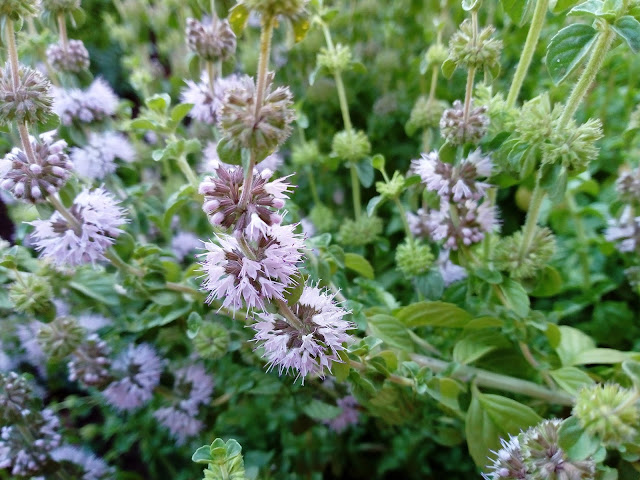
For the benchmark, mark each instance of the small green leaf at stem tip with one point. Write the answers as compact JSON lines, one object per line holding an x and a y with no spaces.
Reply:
{"x":202,"y":455}
{"x":567,"y":49}
{"x":378,"y":162}
{"x":472,"y":5}
{"x":558,"y":6}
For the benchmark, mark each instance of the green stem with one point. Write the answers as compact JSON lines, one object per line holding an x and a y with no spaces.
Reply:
{"x":355,"y":191}
{"x":57,"y":204}
{"x":13,"y":54}
{"x":496,"y":381}
{"x":312,"y":185}
{"x":532,"y":219}
{"x":405,"y":222}
{"x":468,"y":95}
{"x":582,"y":240}
{"x":263,"y":62}
{"x":537,"y":22}
{"x":62,"y":30}
{"x":434,"y":83}
{"x":187,"y":170}
{"x":211,"y":74}
{"x":291,"y":318}
{"x":603,"y":43}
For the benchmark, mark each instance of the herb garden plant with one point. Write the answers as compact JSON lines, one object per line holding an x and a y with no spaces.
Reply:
{"x":303,"y":239}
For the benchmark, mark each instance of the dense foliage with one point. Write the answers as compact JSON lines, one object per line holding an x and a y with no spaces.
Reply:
{"x":326,"y":239}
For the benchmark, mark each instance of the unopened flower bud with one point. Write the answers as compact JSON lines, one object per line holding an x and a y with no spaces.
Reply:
{"x":541,"y":248}
{"x":292,"y":9}
{"x":57,"y":7}
{"x":31,"y":294}
{"x":481,"y":53}
{"x":425,"y":114}
{"x":18,"y":9}
{"x":322,"y":217}
{"x":413,"y":258}
{"x":335,"y":61}
{"x":213,"y":40}
{"x":360,"y":232}
{"x":73,"y":57}
{"x":436,"y":55}
{"x":350,"y":145}
{"x":608,"y":412}
{"x":393,"y":188}
{"x":306,"y":153}
{"x":457,"y":131}
{"x":60,"y":337}
{"x":52,"y":170}
{"x":31,"y":102}
{"x":212,"y":340}
{"x":534,"y":124}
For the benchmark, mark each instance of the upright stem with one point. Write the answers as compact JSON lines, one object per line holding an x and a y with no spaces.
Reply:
{"x":13,"y":54}
{"x":434,"y":83}
{"x":26,"y":143}
{"x":312,"y":185}
{"x":248,"y":178}
{"x":288,"y":314}
{"x":211,"y":77}
{"x":533,"y":36}
{"x":355,"y":190}
{"x":532,"y":219}
{"x":62,"y":29}
{"x":57,"y":204}
{"x":187,"y":170}
{"x":582,"y":240}
{"x":605,"y":37}
{"x":472,"y":71}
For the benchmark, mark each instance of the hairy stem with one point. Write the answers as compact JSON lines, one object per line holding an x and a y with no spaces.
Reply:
{"x":248,"y":179}
{"x":187,"y":170}
{"x":598,"y":54}
{"x":291,"y":318}
{"x":263,"y":62}
{"x":529,"y":49}
{"x":434,"y":84}
{"x":13,"y":54}
{"x":582,"y":240}
{"x":62,"y":30}
{"x":355,"y":191}
{"x":532,"y":219}
{"x":57,"y":204}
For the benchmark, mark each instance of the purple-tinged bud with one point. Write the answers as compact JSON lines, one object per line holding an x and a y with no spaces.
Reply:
{"x":31,"y":102}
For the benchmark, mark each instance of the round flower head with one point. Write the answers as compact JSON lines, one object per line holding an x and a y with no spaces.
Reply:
{"x":628,"y":186}
{"x":85,"y":106}
{"x":30,"y":102}
{"x":360,"y":232}
{"x":457,"y":182}
{"x":32,"y":179}
{"x":458,"y":132}
{"x":222,"y":195}
{"x":72,"y":57}
{"x":61,"y":337}
{"x":207,"y":103}
{"x":350,"y":145}
{"x":213,"y":40}
{"x":425,"y":114}
{"x":91,"y":362}
{"x":269,"y":130}
{"x":470,"y":50}
{"x":625,"y":232}
{"x":234,"y":277}
{"x":18,"y":9}
{"x":87,"y":465}
{"x":15,"y":397}
{"x":137,"y":371}
{"x":473,"y":222}
{"x":57,"y":7}
{"x":192,"y":388}
{"x":98,"y":224}
{"x":348,"y":416}
{"x":507,"y":257}
{"x":311,"y":341}
{"x":292,"y":9}
{"x":97,"y":159}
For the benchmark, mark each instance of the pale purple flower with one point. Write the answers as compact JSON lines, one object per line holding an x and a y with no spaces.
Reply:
{"x":308,"y":228}
{"x":28,"y":335}
{"x":508,"y":463}
{"x":192,"y":388}
{"x":93,"y":321}
{"x":91,"y":362}
{"x":6,"y":362}
{"x":236,"y":278}
{"x":85,"y":106}
{"x":419,"y":223}
{"x":348,"y":416}
{"x":97,"y":159}
{"x":137,"y":370}
{"x":207,"y":103}
{"x":457,"y":182}
{"x":92,"y":467}
{"x":472,"y":223}
{"x":222,"y":193}
{"x":99,"y":220}
{"x":211,"y":160}
{"x":183,"y":243}
{"x":309,"y":343}
{"x":450,"y":272}
{"x":625,"y":232}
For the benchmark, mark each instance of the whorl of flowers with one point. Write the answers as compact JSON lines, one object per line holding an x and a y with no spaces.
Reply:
{"x":31,"y":179}
{"x":18,"y":9}
{"x":413,"y":258}
{"x":137,"y":372}
{"x":91,"y":362}
{"x":192,"y":388}
{"x":307,"y":341}
{"x":72,"y":57}
{"x":207,"y":103}
{"x":252,"y":269}
{"x":292,"y":9}
{"x":213,"y":40}
{"x":350,"y":145}
{"x":449,"y":271}
{"x":508,"y":463}
{"x":15,"y":397}
{"x":263,"y":128}
{"x":481,"y":53}
{"x":360,"y":232}
{"x":455,"y":182}
{"x":30,"y":102}
{"x":507,"y":253}
{"x":61,"y":337}
{"x":473,"y":221}
{"x":628,"y":186}
{"x":425,"y":114}
{"x":88,"y":466}
{"x":625,"y":231}
{"x":32,"y":295}
{"x":97,"y":159}
{"x":85,"y":106}
{"x":98,"y":222}
{"x":222,"y":195}
{"x":348,"y":416}
{"x":57,"y":7}
{"x":457,"y":131}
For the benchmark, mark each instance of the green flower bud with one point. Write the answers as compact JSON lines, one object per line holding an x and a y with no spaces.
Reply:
{"x":413,"y":258}
{"x":306,"y":153}
{"x":57,"y":7}
{"x":425,"y":114}
{"x":608,"y":412}
{"x":436,"y":55}
{"x":483,"y":54}
{"x":212,"y":340}
{"x":322,"y":218}
{"x":18,"y":9}
{"x":534,"y":124}
{"x":31,"y":102}
{"x":31,"y":295}
{"x":292,"y":9}
{"x":350,"y":145}
{"x":393,"y":188}
{"x":360,"y":232}
{"x":335,"y":61}
{"x":502,"y":118}
{"x":570,"y":145}
{"x":507,"y":253}
{"x":60,"y":337}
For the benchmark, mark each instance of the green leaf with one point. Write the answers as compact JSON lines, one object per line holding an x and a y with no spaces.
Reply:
{"x":484,"y":322}
{"x":180,"y":111}
{"x":632,"y":369}
{"x":202,"y":455}
{"x":448,"y":67}
{"x":229,"y":153}
{"x":548,"y":283}
{"x":176,"y":202}
{"x":433,"y":314}
{"x":577,"y":443}
{"x":124,"y":246}
{"x":390,"y":330}
{"x":476,"y":345}
{"x":341,"y":369}
{"x":567,"y":49}
{"x":516,"y":9}
{"x":373,"y":204}
{"x":571,"y":342}
{"x":377,"y":161}
{"x":558,"y":6}
{"x":142,"y":124}
{"x":571,"y":379}
{"x":489,"y":276}
{"x":96,"y":285}
{"x":300,"y":26}
{"x":194,"y":321}
{"x":590,"y":7}
{"x":159,"y":102}
{"x":238,"y":17}
{"x":365,"y":172}
{"x":629,"y":29}
{"x":358,"y":264}
{"x":491,"y":417}
{"x":600,"y":356}
{"x":321,"y":411}
{"x":516,"y":297}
